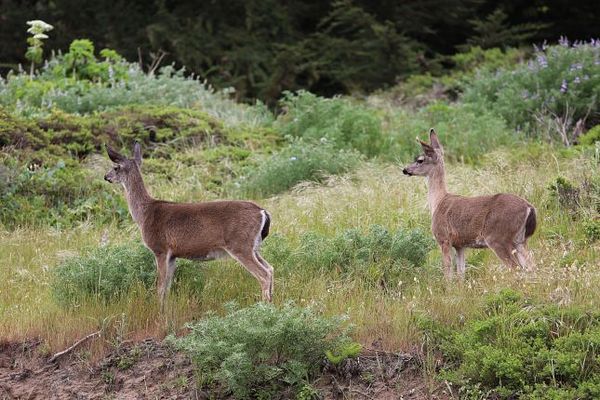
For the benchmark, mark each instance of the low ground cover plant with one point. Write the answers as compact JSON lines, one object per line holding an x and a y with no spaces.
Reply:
{"x":108,"y":273}
{"x":262,"y":351}
{"x":524,"y":348}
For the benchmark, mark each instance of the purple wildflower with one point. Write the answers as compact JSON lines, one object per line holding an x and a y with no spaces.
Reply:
{"x":541,"y":59}
{"x":576,"y":80}
{"x":563,"y":86}
{"x":563,"y":41}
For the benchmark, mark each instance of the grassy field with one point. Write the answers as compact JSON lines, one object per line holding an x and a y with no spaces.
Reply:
{"x":350,"y":235}
{"x":567,"y":264}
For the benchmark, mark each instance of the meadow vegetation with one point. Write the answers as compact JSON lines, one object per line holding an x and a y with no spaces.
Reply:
{"x":350,"y":235}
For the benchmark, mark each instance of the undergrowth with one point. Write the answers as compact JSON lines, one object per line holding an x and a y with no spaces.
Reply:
{"x":262,"y":351}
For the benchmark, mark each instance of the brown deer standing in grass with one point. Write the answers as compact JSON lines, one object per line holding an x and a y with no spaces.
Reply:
{"x":198,"y":231}
{"x":502,"y":222}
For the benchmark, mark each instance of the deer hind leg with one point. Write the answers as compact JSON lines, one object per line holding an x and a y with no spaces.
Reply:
{"x":249,"y":260}
{"x":269,"y":268}
{"x":524,"y":257}
{"x":504,"y":252}
{"x":460,"y":262}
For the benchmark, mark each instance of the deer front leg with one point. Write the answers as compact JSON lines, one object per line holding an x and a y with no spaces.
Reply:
{"x":161,"y":281}
{"x":447,"y":260}
{"x":460,"y":262}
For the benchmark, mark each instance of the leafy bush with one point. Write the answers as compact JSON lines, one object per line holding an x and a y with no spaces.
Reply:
{"x":519,"y":348}
{"x":377,"y":256}
{"x":338,"y":120}
{"x":77,"y":82}
{"x":261,"y":351}
{"x":561,"y":83}
{"x":466,"y":131}
{"x":55,"y":191}
{"x":107,"y":273}
{"x":590,"y":137}
{"x":297,"y":162}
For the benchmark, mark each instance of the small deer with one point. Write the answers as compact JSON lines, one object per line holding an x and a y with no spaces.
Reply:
{"x":198,"y":231}
{"x":503,"y":222}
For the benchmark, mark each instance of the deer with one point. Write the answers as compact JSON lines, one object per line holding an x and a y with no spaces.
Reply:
{"x":198,"y":231}
{"x":502,"y":222}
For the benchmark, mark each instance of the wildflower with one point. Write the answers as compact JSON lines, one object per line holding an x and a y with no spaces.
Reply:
{"x":563,"y":86}
{"x":563,"y":41}
{"x":293,"y":158}
{"x":38,"y":26}
{"x":542,"y":61}
{"x":576,"y":80}
{"x":575,"y":67}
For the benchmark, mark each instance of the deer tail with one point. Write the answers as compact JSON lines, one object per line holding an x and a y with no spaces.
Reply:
{"x":530,"y":223}
{"x":266,"y":224}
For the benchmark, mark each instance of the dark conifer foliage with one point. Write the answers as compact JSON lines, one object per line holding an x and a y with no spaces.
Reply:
{"x":262,"y":47}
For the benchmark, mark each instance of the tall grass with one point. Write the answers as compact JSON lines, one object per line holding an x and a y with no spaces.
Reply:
{"x":374,"y":194}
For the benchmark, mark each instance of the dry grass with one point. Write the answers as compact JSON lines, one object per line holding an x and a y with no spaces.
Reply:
{"x":568,"y":267}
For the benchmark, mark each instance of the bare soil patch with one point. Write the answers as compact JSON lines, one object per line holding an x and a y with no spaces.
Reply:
{"x":151,"y":370}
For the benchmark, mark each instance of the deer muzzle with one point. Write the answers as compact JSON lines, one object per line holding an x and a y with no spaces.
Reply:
{"x":405,"y":172}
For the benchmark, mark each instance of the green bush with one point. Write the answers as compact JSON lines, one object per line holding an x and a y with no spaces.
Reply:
{"x":377,"y":256}
{"x":262,"y":351}
{"x":590,"y":137}
{"x":55,"y":191}
{"x":523,"y":349}
{"x":339,"y":121}
{"x":562,"y":81}
{"x":78,"y":82}
{"x":467,"y":132}
{"x":110,"y":272}
{"x":299,"y":161}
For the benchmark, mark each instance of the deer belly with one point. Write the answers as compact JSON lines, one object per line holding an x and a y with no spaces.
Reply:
{"x":208,"y":256}
{"x":477,"y":244}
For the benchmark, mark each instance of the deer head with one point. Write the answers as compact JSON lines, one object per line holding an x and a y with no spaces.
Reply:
{"x":123,"y":168}
{"x":432,"y":157}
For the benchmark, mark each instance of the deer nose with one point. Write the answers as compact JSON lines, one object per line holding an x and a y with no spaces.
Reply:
{"x":106,"y":178}
{"x":405,"y":172}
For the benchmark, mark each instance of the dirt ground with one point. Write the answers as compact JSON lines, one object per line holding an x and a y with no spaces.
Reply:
{"x":151,"y":370}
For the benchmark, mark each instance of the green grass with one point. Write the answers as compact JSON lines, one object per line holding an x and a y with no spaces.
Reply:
{"x":376,"y":194}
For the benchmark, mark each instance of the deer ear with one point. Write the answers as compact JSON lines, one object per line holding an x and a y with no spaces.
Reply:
{"x":433,"y":138}
{"x":427,"y":149}
{"x":137,"y":154}
{"x":114,"y":155}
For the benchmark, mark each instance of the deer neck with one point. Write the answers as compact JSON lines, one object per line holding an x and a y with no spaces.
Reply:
{"x":436,"y":184}
{"x":137,"y":196}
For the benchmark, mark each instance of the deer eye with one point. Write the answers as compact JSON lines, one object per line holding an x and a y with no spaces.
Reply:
{"x":419,"y":160}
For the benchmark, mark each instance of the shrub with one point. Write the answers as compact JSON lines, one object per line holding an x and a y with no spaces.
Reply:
{"x":297,"y":162}
{"x":78,"y":82}
{"x":344,"y":124}
{"x":519,"y":348}
{"x":590,"y":137}
{"x":467,"y":132}
{"x":108,"y":273}
{"x":56,"y":191}
{"x":377,"y":256}
{"x":262,"y":351}
{"x":561,"y":83}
